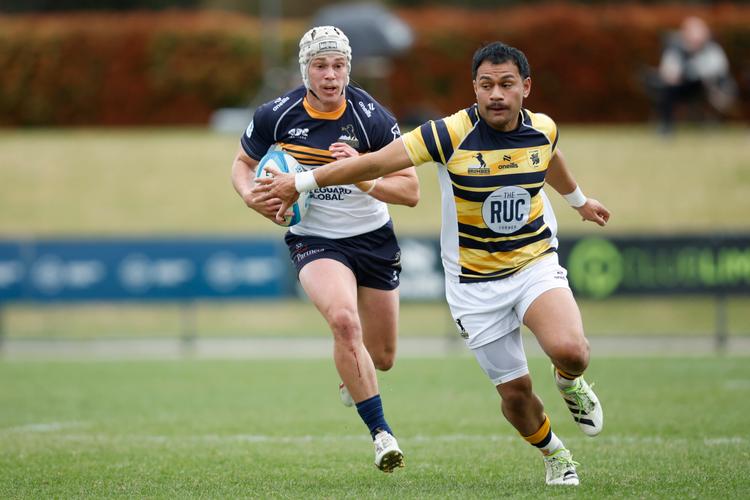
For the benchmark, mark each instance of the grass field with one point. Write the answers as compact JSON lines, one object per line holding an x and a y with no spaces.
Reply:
{"x":176,"y":181}
{"x":675,"y":428}
{"x":668,"y":316}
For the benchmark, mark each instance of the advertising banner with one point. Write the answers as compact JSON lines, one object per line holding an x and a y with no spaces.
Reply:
{"x":142,"y":269}
{"x":216,"y":268}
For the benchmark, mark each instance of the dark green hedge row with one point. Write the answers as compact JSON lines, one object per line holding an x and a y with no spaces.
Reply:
{"x":177,"y":67}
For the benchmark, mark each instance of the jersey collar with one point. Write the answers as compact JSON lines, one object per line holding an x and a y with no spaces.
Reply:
{"x":324,"y":115}
{"x":523,"y":121}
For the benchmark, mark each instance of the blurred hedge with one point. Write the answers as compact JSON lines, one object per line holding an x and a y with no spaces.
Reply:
{"x":585,"y":61}
{"x":121,"y":69}
{"x":177,"y":67}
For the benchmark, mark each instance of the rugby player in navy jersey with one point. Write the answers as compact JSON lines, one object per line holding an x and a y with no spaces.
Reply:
{"x":498,"y":241}
{"x":345,"y":251}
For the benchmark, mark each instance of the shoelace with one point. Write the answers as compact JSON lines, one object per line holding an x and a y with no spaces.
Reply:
{"x":560,"y":463}
{"x":582,"y":399}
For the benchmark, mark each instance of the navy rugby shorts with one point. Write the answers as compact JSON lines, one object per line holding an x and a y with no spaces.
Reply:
{"x":374,"y":257}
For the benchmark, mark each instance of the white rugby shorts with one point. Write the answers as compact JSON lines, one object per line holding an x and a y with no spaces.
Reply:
{"x":487,"y":311}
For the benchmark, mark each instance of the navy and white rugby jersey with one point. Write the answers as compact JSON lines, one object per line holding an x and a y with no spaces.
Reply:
{"x":305,"y":133}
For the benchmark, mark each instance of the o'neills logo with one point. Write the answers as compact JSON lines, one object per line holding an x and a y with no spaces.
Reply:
{"x":279,"y":102}
{"x":367,"y":109}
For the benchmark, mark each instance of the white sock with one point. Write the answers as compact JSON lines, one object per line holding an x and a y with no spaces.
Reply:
{"x":562,"y":382}
{"x":553,"y":445}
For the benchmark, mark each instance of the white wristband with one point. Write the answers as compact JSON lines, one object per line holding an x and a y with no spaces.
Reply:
{"x":305,"y":181}
{"x":576,"y":199}
{"x":374,"y":181}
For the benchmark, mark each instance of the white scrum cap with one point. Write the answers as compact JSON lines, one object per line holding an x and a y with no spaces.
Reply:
{"x":322,"y":40}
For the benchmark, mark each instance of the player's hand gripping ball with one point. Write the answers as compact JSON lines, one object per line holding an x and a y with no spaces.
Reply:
{"x":286,"y":164}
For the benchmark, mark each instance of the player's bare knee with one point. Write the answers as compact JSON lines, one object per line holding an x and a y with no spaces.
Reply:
{"x":384,"y":361}
{"x":572,"y":355}
{"x":516,"y":393}
{"x":345,"y":325}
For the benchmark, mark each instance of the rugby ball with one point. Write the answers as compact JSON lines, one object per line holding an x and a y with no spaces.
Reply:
{"x":285,"y":163}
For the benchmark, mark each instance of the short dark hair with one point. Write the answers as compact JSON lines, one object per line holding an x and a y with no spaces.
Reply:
{"x":497,"y":53}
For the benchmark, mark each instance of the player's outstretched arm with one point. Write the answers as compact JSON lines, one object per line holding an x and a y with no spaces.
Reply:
{"x":391,"y":158}
{"x":287,"y":187}
{"x":561,"y":179}
{"x":399,"y":188}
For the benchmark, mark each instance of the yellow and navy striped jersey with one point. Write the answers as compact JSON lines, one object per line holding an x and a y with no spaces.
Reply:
{"x":496,"y":218}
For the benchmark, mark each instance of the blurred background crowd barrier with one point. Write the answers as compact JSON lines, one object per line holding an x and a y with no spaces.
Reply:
{"x":70,"y":270}
{"x":190,"y":269}
{"x":179,"y":66}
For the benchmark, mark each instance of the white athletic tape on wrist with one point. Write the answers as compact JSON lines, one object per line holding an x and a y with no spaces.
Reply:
{"x":374,"y":181}
{"x":576,"y":199}
{"x":305,"y":181}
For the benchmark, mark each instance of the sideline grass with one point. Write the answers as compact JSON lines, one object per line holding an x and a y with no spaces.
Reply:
{"x":675,"y":428}
{"x":681,"y":316}
{"x":176,"y":181}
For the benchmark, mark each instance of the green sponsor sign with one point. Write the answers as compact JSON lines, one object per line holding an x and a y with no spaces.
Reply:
{"x":595,"y":267}
{"x":600,"y":267}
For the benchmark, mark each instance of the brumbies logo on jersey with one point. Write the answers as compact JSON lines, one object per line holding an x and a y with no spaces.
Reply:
{"x":347,"y":136}
{"x":482,"y":168}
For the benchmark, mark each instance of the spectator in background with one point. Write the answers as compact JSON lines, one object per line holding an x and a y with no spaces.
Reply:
{"x":693,"y":68}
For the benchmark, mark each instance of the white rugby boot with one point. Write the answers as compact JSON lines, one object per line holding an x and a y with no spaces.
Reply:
{"x":561,"y":469}
{"x":583,"y":405}
{"x":388,"y":456}
{"x":346,"y":398}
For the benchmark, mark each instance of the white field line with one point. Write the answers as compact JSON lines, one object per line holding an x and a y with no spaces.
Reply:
{"x":42,"y":427}
{"x":734,"y":384}
{"x":52,"y":431}
{"x":320,"y":348}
